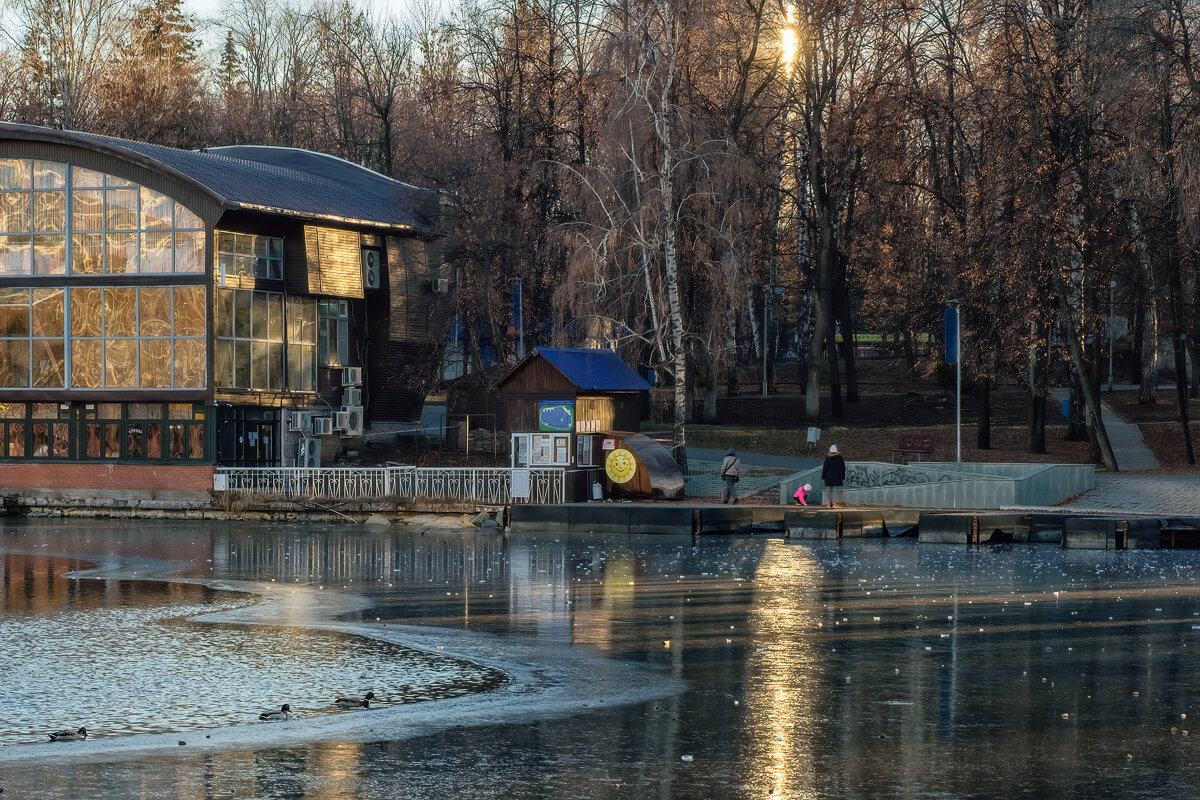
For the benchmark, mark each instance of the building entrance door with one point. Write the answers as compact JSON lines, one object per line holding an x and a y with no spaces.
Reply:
{"x":248,"y":437}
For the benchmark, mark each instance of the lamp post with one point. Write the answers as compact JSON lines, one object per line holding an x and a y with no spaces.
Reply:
{"x":518,"y":313}
{"x":952,"y":320}
{"x":1111,"y":285}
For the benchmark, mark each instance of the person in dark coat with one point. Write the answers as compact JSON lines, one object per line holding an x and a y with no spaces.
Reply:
{"x":731,"y":471}
{"x":833,"y":475}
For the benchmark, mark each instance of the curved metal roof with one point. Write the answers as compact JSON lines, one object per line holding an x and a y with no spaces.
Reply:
{"x":277,"y":180}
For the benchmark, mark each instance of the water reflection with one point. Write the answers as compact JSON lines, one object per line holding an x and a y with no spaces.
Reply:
{"x":873,"y":669}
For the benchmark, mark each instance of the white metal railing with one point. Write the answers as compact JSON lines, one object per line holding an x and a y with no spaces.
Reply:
{"x":492,"y":486}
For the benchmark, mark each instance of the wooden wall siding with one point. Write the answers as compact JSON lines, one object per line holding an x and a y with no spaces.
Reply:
{"x":198,"y":200}
{"x":615,"y":412}
{"x":334,"y":261}
{"x":407,"y":325}
{"x":522,"y":414}
{"x":537,"y":376}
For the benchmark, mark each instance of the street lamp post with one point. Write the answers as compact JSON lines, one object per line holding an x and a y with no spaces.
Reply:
{"x":956,"y":320}
{"x":518,"y":312}
{"x":1111,"y":285}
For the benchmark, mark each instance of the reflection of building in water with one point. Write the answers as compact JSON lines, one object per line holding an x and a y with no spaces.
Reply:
{"x":34,"y":584}
{"x":785,"y":682}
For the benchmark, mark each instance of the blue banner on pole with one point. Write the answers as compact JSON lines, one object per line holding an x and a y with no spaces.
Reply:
{"x":951,"y":335}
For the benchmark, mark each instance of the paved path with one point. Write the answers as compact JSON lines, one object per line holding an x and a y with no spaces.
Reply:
{"x":1153,"y":495}
{"x":1127,"y":443}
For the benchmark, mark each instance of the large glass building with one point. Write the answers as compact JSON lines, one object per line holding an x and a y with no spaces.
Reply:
{"x":246,"y":306}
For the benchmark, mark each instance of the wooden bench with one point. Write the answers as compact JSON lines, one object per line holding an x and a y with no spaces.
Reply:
{"x":918,"y":443}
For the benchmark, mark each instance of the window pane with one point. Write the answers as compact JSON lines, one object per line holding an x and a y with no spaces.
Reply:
{"x":61,"y":442}
{"x":190,"y":363}
{"x":120,"y":363}
{"x":92,"y":443}
{"x":87,"y":253}
{"x":86,"y":359}
{"x":275,"y":311}
{"x":157,"y":252}
{"x":86,"y":177}
{"x":49,"y":175}
{"x":179,"y":410}
{"x":45,"y":411}
{"x":224,"y":312}
{"x":258,"y":365}
{"x":14,"y":363}
{"x":156,"y":210}
{"x":112,"y":440}
{"x":14,"y":173}
{"x":122,"y":253}
{"x":241,"y":315}
{"x":120,"y":312}
{"x":48,"y":364}
{"x":16,"y":255}
{"x":113,"y":180}
{"x":85,"y":315}
{"x":176,"y":442}
{"x":343,"y":344}
{"x":49,"y":212}
{"x":155,"y":363}
{"x":50,"y":255}
{"x":275,"y":366}
{"x":121,"y":213}
{"x":224,"y":355}
{"x":14,"y":312}
{"x":243,"y":266}
{"x":241,"y":365}
{"x":135,"y":442}
{"x":189,"y":311}
{"x":243,"y":244}
{"x":154,"y":311}
{"x":258,"y":315}
{"x":87,"y":210}
{"x":108,"y":410}
{"x":185,"y":218}
{"x":154,"y":440}
{"x":48,"y":312}
{"x":14,"y":212}
{"x":16,"y":440}
{"x":195,"y":441}
{"x":189,"y":252}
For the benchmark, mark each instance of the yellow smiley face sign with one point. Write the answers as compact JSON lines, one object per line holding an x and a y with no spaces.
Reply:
{"x":620,"y":466}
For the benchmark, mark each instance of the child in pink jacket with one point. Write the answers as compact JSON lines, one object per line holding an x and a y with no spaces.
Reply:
{"x":801,"y":494}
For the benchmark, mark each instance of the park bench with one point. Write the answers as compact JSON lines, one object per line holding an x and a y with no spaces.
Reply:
{"x":921,"y":444}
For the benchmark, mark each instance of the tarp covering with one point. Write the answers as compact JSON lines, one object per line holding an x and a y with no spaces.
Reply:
{"x":666,"y":481}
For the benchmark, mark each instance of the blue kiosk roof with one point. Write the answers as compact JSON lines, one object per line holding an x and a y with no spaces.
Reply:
{"x":591,"y":370}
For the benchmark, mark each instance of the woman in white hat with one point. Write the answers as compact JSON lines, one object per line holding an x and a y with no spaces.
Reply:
{"x":833,"y":475}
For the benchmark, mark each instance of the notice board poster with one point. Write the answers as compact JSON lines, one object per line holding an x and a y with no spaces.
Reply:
{"x":556,"y":416}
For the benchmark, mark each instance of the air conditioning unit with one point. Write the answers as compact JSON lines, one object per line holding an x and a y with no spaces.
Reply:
{"x":351,"y":376}
{"x":322,"y":426}
{"x":350,"y":420}
{"x":441,"y":285}
{"x":352,"y":396}
{"x":308,"y":452}
{"x":299,"y":420}
{"x":371,"y":269}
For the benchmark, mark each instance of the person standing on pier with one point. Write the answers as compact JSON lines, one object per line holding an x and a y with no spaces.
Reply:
{"x":731,"y":471}
{"x":833,"y":475}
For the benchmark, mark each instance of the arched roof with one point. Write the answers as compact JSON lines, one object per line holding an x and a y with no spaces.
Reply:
{"x":276,"y":180}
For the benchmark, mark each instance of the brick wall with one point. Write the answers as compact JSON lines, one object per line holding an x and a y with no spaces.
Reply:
{"x":144,"y":477}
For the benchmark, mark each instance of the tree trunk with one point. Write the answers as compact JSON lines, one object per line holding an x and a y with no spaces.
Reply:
{"x":709,"y":412}
{"x":1037,"y":391}
{"x":850,"y":356}
{"x":983,"y":426}
{"x":1076,"y":419}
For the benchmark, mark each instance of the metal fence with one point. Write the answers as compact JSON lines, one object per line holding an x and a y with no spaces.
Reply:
{"x":491,"y":486}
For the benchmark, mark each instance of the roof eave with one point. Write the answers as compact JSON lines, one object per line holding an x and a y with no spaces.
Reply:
{"x":393,"y":226}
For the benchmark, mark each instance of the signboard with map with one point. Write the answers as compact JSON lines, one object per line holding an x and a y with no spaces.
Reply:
{"x":556,"y":415}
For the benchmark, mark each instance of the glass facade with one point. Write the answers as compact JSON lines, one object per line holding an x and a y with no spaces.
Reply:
{"x":58,"y":219}
{"x":249,"y":339}
{"x":128,"y":337}
{"x":302,"y":344}
{"x":248,"y":256}
{"x":173,"y":432}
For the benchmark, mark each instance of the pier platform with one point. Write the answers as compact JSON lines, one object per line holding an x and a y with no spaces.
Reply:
{"x":958,"y":527}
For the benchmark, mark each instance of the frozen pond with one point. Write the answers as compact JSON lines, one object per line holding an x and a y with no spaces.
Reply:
{"x":854,"y":669}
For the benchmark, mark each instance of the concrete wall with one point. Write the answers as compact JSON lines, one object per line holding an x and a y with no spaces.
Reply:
{"x":981,"y":485}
